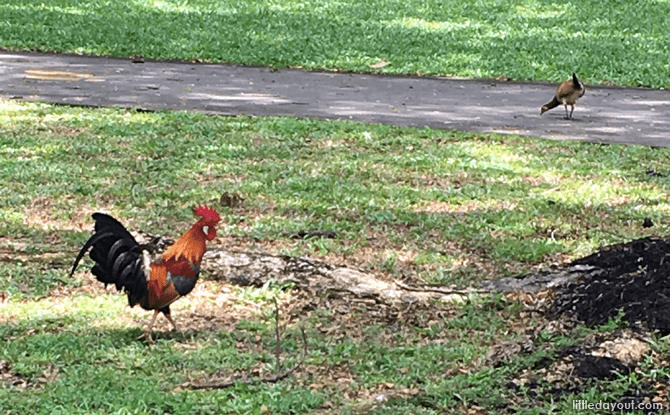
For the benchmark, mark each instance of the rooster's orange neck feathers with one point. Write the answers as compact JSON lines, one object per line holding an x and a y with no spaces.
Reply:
{"x":190,"y":247}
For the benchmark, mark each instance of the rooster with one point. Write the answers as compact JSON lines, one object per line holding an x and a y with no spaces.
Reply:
{"x":119,"y":260}
{"x":567,"y":93}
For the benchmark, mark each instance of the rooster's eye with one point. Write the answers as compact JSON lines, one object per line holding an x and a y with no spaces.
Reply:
{"x":205,"y":229}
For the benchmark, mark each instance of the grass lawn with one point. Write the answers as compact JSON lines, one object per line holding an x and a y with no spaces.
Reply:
{"x":445,"y":207}
{"x":606,"y":42}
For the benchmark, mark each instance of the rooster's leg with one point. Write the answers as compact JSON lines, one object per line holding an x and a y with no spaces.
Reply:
{"x":571,"y":111}
{"x":149,"y":329}
{"x":567,"y":117}
{"x":167,"y":316}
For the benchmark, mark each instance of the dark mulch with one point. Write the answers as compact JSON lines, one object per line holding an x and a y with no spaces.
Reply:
{"x":588,"y":367}
{"x":587,"y":374}
{"x":633,"y":277}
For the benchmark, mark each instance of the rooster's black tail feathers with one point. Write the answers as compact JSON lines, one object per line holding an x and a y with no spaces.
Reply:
{"x":117,"y":256}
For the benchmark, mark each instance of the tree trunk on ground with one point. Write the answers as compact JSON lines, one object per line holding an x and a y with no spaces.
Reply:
{"x":254,"y":268}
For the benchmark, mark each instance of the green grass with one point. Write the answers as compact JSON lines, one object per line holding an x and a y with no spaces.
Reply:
{"x":448,"y":207}
{"x":105,"y":370}
{"x":624,"y":43}
{"x":101,"y":367}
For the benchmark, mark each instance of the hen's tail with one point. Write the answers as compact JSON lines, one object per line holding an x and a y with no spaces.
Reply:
{"x":576,"y":83}
{"x":118,"y":257}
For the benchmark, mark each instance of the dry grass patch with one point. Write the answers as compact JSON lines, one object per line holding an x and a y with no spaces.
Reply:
{"x":43,"y":213}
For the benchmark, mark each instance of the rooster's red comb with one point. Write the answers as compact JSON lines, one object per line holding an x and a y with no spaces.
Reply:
{"x":207,"y":213}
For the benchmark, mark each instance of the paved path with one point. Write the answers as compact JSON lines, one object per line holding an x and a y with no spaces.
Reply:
{"x":605,"y":114}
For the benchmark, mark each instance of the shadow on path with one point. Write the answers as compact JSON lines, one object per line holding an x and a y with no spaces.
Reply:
{"x":605,"y":114}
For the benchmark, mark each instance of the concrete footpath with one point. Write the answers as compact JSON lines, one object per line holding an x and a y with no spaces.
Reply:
{"x":604,"y":114}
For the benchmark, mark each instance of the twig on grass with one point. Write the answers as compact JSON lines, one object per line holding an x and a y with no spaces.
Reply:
{"x":268,"y":379}
{"x":439,"y":290}
{"x":278,"y":338}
